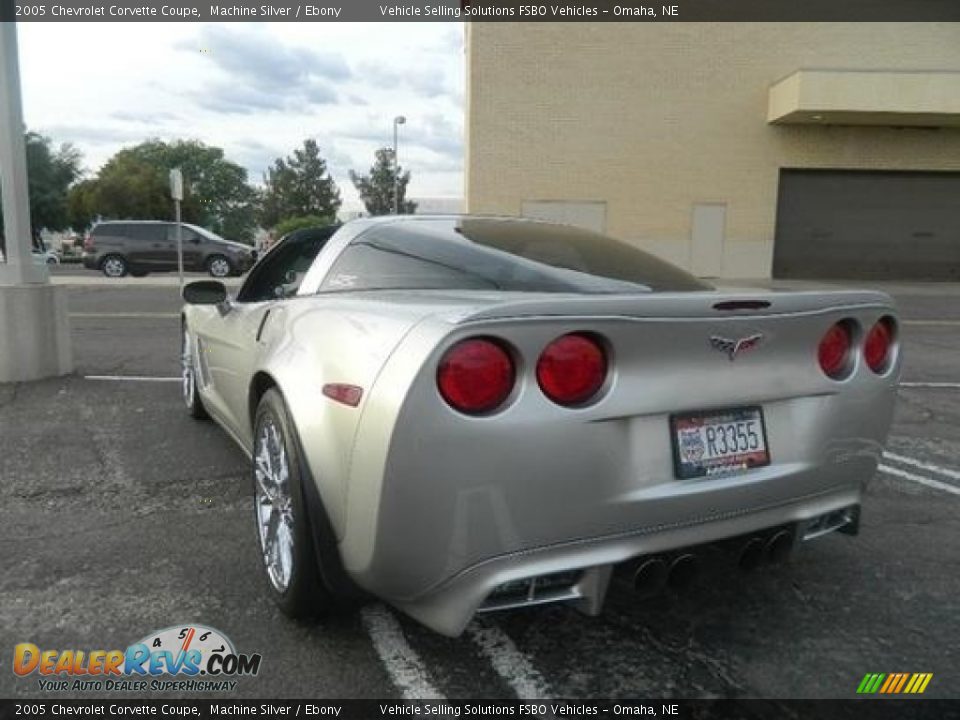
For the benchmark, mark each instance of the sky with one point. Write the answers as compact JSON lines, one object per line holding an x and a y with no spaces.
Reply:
{"x":255,"y":89}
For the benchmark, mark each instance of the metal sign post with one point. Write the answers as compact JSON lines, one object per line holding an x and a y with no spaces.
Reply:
{"x":176,"y":192}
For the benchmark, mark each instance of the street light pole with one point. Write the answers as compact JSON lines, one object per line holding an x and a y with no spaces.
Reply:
{"x":398,"y":120}
{"x":19,"y":267}
{"x":34,"y":324}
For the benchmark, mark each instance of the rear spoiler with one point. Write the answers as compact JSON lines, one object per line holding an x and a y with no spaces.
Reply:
{"x":700,"y":305}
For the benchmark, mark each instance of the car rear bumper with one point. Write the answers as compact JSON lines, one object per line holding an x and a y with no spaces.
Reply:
{"x":91,"y":261}
{"x":449,"y":607}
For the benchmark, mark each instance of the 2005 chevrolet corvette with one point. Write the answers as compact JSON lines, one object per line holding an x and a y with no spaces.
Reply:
{"x":463,"y":414}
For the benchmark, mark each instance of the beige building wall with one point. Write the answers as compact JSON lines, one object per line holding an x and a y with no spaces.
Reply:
{"x":655,"y":119}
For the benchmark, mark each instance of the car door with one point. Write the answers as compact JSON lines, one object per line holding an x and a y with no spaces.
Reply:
{"x":233,"y":338}
{"x":192,"y":247}
{"x":152,"y":251}
{"x":132,"y":242}
{"x":229,"y":349}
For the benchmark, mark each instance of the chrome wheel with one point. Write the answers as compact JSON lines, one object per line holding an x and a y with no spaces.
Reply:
{"x":219,"y":267}
{"x":273,"y":503}
{"x":188,"y":379}
{"x":114,"y":267}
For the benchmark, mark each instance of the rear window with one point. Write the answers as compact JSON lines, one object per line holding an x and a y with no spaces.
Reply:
{"x":499,"y":254}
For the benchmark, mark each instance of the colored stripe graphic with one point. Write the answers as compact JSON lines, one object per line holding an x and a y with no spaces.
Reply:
{"x":903,"y":681}
{"x":894,"y":683}
{"x":891,"y":681}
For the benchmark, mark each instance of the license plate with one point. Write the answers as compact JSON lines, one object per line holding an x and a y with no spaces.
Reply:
{"x":720,"y":441}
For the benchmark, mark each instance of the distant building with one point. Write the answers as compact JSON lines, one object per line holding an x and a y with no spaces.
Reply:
{"x":439,"y":205}
{"x":731,"y":149}
{"x":425,"y":206}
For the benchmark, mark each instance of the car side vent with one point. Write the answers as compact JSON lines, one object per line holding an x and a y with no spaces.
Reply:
{"x":727,"y":305}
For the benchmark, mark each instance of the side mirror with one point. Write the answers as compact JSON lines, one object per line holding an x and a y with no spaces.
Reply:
{"x":205,"y":292}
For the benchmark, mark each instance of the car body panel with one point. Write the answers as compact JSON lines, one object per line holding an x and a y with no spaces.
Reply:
{"x":433,"y":509}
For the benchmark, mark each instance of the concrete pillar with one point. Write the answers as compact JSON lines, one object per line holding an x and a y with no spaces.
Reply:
{"x":34,"y":334}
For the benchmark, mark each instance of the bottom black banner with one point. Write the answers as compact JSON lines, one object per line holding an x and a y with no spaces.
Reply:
{"x":887,"y":709}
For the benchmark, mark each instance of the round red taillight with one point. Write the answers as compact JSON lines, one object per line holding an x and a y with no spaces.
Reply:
{"x":834,"y":350}
{"x":476,"y":376}
{"x":572,"y":369}
{"x":877,"y":346}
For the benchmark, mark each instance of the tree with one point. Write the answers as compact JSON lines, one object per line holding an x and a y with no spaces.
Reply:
{"x":50,"y":171}
{"x":299,"y":223}
{"x":80,"y":204}
{"x":377,"y":189}
{"x":299,"y":185}
{"x":134,"y":183}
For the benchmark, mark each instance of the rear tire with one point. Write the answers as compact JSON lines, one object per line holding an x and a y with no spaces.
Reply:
{"x":114,"y":266}
{"x":188,"y":378}
{"x":283,"y":526}
{"x":219,"y":267}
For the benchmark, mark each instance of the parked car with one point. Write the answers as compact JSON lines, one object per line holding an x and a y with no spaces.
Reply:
{"x":465,"y":414}
{"x":46,"y":257}
{"x":139,"y":247}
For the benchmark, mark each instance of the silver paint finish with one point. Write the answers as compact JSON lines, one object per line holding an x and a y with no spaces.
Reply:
{"x":433,"y":509}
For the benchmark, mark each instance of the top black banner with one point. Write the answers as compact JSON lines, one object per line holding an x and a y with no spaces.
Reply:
{"x":481,"y":11}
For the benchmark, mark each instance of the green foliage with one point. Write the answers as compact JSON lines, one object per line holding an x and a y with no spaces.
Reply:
{"x":80,"y":202}
{"x":290,"y":225}
{"x":298,"y":186}
{"x":49,"y":174}
{"x":377,"y":189}
{"x":135,"y":184}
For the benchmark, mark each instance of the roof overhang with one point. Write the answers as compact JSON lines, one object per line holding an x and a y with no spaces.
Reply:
{"x":856,"y":97}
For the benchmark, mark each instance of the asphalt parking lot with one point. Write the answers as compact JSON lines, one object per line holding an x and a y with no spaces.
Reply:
{"x":120,"y":515}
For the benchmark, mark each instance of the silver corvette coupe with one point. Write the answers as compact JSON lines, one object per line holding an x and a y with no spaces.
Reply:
{"x":465,"y":414}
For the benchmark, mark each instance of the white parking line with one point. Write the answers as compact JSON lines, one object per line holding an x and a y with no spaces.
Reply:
{"x":946,"y":472}
{"x":935,"y":484}
{"x":131,"y":378}
{"x":509,"y":662}
{"x":404,"y":666}
{"x":930,"y":384}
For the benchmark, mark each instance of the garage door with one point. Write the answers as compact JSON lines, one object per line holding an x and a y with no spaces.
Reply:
{"x":869,"y":225}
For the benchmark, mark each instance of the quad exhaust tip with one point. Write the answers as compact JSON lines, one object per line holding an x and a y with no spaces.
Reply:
{"x":778,"y":547}
{"x":751,"y":554}
{"x":650,"y":577}
{"x":683,"y":572}
{"x":656,"y":573}
{"x":758,"y":550}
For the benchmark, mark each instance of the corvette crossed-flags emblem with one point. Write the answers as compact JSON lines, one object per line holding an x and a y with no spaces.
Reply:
{"x":733,"y":347}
